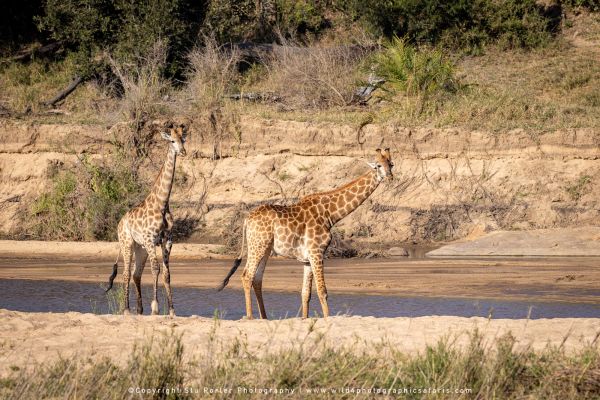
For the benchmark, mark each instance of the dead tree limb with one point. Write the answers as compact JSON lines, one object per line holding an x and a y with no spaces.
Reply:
{"x":64,"y":93}
{"x":30,"y":53}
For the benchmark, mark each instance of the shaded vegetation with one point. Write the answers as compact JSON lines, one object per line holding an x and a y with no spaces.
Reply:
{"x":461,"y":23}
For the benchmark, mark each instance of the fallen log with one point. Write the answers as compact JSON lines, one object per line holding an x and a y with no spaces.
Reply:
{"x":64,"y":93}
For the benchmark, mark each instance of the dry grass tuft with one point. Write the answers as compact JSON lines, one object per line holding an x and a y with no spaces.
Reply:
{"x":212,"y":74}
{"x":143,"y":86}
{"x":314,"y":76}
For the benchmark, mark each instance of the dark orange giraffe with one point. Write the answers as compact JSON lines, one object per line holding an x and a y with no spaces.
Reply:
{"x":302,"y":231}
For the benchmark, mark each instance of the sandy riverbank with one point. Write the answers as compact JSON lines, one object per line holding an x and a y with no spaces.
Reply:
{"x":28,"y":338}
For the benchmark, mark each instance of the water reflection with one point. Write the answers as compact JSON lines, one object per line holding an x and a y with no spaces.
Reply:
{"x":63,"y":296}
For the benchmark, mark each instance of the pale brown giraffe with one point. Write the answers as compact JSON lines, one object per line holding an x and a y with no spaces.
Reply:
{"x":149,"y":224}
{"x":302,"y":231}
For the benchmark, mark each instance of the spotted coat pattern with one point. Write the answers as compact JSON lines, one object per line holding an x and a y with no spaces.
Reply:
{"x":303,"y":231}
{"x":148,"y":225}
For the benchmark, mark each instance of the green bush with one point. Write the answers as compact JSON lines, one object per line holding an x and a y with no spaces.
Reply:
{"x":593,"y":5}
{"x":239,"y":20}
{"x":86,"y":204}
{"x":57,"y":212}
{"x":420,"y":73}
{"x":126,"y":29}
{"x":457,"y":23}
{"x":111,"y":191}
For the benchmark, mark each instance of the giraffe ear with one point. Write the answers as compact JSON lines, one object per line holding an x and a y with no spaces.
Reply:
{"x":378,"y":150}
{"x":165,"y":135}
{"x":372,"y":165}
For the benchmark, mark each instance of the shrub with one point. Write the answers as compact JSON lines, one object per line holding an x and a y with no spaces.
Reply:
{"x":458,"y":23}
{"x":128,"y":29}
{"x":415,"y":72}
{"x":314,"y":76}
{"x":235,"y":20}
{"x":592,"y":5}
{"x":85,"y":204}
{"x":142,"y":85}
{"x":212,"y":73}
{"x":58,"y":212}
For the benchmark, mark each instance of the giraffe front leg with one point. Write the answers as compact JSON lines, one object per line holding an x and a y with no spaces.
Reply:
{"x":248,"y":281}
{"x":166,"y":253}
{"x":306,"y":289}
{"x":166,"y":272}
{"x":149,"y":246}
{"x":316,"y":262}
{"x":127,"y":254}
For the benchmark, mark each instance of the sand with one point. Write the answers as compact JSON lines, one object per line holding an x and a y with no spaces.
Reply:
{"x":40,"y":249}
{"x":29,"y":338}
{"x":565,"y":242}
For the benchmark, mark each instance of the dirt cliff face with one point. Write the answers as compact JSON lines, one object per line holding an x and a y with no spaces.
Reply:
{"x":448,"y":183}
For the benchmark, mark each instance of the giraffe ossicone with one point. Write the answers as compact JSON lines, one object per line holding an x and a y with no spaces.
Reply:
{"x":148,"y":225}
{"x":302,"y":231}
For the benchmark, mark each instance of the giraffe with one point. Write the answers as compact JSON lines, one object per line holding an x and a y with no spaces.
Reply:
{"x":302,"y":231}
{"x":149,"y":224}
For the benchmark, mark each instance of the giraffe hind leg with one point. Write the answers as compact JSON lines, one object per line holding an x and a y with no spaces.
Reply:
{"x":257,"y":283}
{"x":316,"y":263}
{"x":141,"y":256}
{"x":255,"y":255}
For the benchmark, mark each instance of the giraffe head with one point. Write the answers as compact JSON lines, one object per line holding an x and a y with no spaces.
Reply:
{"x":176,"y":135}
{"x":383,"y":164}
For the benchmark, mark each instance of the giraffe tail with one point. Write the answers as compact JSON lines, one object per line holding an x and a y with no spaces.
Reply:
{"x":112,"y":276}
{"x":236,"y":263}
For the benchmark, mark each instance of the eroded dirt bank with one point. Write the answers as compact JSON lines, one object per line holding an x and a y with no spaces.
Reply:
{"x":449,"y":183}
{"x":28,"y":338}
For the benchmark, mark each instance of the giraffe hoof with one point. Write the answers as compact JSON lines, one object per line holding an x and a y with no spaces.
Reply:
{"x":126,"y":312}
{"x":154,"y":307}
{"x":171,"y":312}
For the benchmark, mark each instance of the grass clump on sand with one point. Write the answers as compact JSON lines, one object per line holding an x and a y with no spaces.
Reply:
{"x":314,"y":369}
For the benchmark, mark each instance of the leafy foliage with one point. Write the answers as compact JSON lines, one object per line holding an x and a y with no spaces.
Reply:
{"x":459,"y":23}
{"x":86,"y":204}
{"x":414,"y":71}
{"x":126,"y":29}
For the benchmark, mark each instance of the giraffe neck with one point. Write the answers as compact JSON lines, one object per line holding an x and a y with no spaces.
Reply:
{"x":347,"y":198}
{"x":161,"y":191}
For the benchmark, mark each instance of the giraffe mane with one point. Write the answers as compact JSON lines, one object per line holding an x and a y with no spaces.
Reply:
{"x":332,"y":191}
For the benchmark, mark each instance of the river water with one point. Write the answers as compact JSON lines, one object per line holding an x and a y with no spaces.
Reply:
{"x":63,"y":296}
